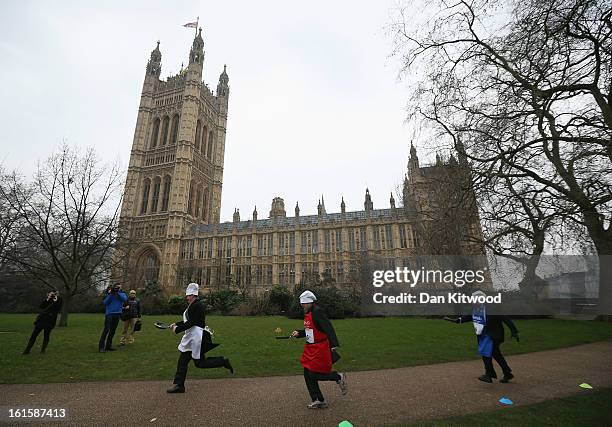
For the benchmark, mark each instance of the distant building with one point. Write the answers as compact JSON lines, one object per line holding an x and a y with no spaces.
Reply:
{"x":170,"y":221}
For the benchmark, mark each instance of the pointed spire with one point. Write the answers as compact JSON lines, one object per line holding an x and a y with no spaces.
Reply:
{"x":342,"y":206}
{"x":392,"y":201}
{"x":368,"y":205}
{"x":297,"y":209}
{"x":196,"y":55}
{"x":154,"y":64}
{"x":461,"y":152}
{"x":223,"y":85}
{"x":255,"y":213}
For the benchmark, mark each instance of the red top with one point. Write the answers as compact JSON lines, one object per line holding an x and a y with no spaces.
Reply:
{"x":317,"y":353}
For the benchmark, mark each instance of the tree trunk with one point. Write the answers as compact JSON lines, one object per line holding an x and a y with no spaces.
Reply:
{"x":64,"y":316}
{"x":604,"y":252}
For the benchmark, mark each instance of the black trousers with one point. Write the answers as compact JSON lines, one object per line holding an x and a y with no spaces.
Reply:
{"x":204,"y":363}
{"x":110,"y":326}
{"x":35,"y":332}
{"x":312,"y":383}
{"x":499,"y":358}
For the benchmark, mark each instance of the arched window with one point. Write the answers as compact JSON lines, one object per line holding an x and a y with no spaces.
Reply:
{"x":154,"y":133}
{"x":197,"y":201}
{"x":165,"y":125}
{"x":205,"y":204}
{"x":210,"y":146}
{"x":147,"y":268}
{"x":166,"y":194}
{"x":175,"y":127}
{"x":198,"y":135}
{"x":190,"y":200}
{"x":204,"y":135}
{"x":155,"y":197}
{"x":145,"y":196}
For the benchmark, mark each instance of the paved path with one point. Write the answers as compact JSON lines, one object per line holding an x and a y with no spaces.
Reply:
{"x":391,"y":396}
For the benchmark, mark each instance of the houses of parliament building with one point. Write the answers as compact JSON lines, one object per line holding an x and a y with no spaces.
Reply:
{"x":170,"y":225}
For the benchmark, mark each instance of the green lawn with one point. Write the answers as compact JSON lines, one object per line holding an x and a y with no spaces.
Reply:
{"x":374,"y":343}
{"x":591,"y":408}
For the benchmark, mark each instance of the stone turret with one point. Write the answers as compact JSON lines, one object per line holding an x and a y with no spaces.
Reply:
{"x":278,"y":208}
{"x":154,"y":64}
{"x":368,"y":205}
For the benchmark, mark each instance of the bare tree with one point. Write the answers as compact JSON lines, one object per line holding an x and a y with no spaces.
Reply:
{"x":70,"y":215}
{"x":9,"y":217}
{"x":527,"y":87}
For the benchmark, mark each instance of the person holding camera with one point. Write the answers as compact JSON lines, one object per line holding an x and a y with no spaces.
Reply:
{"x":130,"y":315}
{"x":113,"y":301}
{"x":45,"y":321}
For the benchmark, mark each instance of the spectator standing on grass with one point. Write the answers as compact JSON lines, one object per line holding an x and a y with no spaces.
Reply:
{"x":45,"y":321}
{"x":113,"y":301}
{"x":130,"y":314}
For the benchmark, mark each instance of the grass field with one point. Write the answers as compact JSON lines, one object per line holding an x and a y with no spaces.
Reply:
{"x":374,"y":343}
{"x":592,"y":408}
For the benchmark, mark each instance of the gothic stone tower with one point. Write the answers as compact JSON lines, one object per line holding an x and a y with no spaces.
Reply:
{"x":175,"y":172}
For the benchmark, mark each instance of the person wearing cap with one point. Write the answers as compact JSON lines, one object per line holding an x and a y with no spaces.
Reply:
{"x":316,"y":359}
{"x":489,"y":331}
{"x":130,"y":314}
{"x":195,"y":342}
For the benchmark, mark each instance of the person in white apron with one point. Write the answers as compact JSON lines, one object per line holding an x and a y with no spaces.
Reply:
{"x":195,"y":342}
{"x":489,"y":331}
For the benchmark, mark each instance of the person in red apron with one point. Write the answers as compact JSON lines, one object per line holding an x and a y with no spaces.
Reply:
{"x":316,"y":359}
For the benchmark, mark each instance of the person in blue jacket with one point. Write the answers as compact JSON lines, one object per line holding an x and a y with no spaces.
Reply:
{"x":113,"y":301}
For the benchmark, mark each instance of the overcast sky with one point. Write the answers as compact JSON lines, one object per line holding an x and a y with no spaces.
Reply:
{"x":315,"y":103}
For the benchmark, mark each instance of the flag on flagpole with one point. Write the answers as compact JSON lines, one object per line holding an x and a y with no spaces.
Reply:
{"x":191,"y":25}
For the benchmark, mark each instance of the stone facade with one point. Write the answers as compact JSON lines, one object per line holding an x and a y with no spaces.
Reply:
{"x":170,"y":213}
{"x":175,"y":173}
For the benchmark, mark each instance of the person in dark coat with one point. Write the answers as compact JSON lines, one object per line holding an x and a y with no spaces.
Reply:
{"x":195,"y":342}
{"x":489,"y":330}
{"x":130,"y":315}
{"x":319,"y":350}
{"x":45,"y":321}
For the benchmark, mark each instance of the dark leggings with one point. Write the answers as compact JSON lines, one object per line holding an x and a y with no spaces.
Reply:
{"x":35,"y":332}
{"x":499,"y":358}
{"x":204,"y":363}
{"x":110,"y":326}
{"x":312,"y":383}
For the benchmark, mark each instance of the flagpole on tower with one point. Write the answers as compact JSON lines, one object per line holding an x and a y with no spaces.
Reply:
{"x":197,"y":24}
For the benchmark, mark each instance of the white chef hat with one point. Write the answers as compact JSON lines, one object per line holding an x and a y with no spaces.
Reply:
{"x":307,"y":297}
{"x":192,"y":289}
